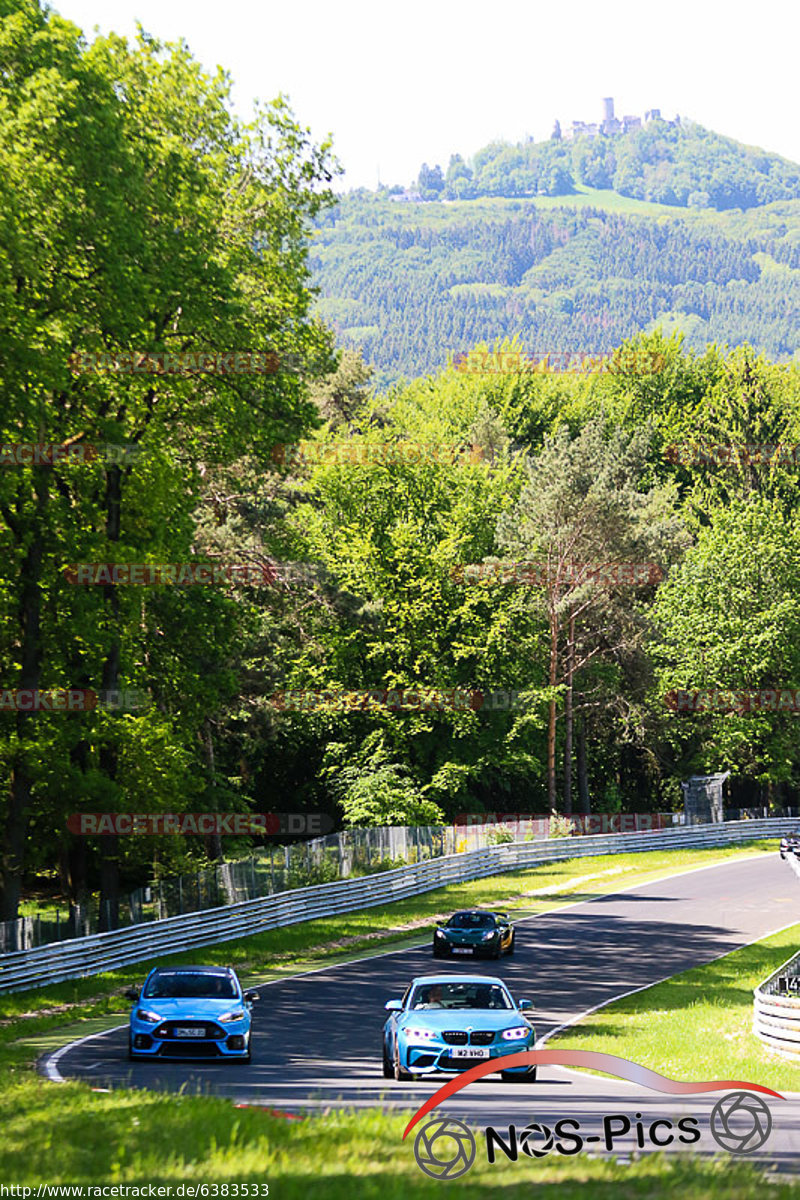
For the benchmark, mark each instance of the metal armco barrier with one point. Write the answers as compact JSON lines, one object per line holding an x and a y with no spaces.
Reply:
{"x":81,"y":957}
{"x":776,"y":1003}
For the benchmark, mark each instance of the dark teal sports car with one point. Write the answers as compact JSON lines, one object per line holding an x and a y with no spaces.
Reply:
{"x":475,"y":932}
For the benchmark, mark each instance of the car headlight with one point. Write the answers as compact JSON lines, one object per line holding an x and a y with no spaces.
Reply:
{"x":439,"y":933}
{"x":144,"y":1014}
{"x":517,"y":1033}
{"x":420,"y":1034}
{"x":236,"y":1014}
{"x":490,"y":933}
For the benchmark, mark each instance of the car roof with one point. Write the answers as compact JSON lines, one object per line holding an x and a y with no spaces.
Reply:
{"x":192,"y":971}
{"x":477,"y":912}
{"x":453,"y":978}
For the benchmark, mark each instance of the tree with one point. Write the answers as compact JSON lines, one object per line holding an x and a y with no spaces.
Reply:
{"x":155,"y":221}
{"x":582,"y":508}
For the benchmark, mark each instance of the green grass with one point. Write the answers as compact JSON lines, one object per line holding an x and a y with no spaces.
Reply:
{"x":697,"y":1025}
{"x":54,"y":1133}
{"x":146,"y":1138}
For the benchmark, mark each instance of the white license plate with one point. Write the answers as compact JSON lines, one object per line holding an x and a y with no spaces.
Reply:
{"x":189,"y":1031}
{"x":468,"y":1052}
{"x":462,"y":950}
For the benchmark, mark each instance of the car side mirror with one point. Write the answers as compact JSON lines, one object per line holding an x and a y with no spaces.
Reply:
{"x":251,"y":996}
{"x":132,"y":994}
{"x":393,"y":1005}
{"x":523,"y":1004}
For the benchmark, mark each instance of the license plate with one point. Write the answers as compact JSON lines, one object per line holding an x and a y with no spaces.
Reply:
{"x":468,"y":1052}
{"x":462,"y":950}
{"x":190,"y":1031}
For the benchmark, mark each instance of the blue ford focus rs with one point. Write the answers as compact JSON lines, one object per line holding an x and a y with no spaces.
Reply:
{"x":191,"y":1012}
{"x":453,"y":1022}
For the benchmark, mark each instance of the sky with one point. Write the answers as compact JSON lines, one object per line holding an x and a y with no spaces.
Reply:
{"x":401,"y":84}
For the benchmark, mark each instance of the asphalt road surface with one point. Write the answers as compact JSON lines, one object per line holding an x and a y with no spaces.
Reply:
{"x":317,"y":1037}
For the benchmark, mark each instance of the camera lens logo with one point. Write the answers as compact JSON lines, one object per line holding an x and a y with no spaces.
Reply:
{"x":740,"y":1122}
{"x":444,"y":1148}
{"x":536,"y":1140}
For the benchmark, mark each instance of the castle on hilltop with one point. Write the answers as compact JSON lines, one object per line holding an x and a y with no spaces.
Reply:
{"x":611,"y":124}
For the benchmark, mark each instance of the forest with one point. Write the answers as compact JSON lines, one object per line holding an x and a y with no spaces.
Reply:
{"x":349,"y":536}
{"x":404,"y":282}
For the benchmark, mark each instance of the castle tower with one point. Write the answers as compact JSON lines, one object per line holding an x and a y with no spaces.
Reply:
{"x":608,"y":108}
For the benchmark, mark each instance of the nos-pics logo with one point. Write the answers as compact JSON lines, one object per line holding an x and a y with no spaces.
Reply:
{"x":445,"y":1148}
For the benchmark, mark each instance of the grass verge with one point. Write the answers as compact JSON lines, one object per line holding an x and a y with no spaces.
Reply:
{"x":697,"y":1025}
{"x":142,"y":1138}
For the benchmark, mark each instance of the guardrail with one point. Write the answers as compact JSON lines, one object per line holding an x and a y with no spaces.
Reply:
{"x":81,"y":957}
{"x":776,"y":1003}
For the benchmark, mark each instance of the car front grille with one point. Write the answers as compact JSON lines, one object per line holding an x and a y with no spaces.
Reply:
{"x":189,"y":1048}
{"x":211,"y":1031}
{"x":457,"y":1037}
{"x":446,"y":1063}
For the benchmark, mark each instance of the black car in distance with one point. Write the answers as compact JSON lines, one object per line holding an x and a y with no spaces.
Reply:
{"x":474,"y":932}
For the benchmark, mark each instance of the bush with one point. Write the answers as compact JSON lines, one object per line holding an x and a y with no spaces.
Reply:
{"x":560,"y":826}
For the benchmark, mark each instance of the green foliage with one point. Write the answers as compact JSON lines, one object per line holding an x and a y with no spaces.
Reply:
{"x":497,"y":837}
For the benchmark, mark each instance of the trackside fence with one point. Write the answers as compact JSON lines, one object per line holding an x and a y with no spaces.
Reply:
{"x":85,"y":956}
{"x":776,"y":1003}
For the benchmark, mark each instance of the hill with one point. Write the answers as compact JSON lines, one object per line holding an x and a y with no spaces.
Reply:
{"x":644,"y":245}
{"x":666,"y":162}
{"x":409,"y":283}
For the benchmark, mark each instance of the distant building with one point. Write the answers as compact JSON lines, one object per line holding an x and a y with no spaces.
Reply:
{"x":610,"y":125}
{"x":582,"y":128}
{"x":407,"y":197}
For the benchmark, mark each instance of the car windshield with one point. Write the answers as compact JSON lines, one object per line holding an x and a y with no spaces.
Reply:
{"x":460,"y":995}
{"x":471,"y":920}
{"x":195,"y":985}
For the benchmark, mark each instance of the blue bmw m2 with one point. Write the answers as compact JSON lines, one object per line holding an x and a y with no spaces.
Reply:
{"x":450,"y":1023}
{"x":191,"y":1012}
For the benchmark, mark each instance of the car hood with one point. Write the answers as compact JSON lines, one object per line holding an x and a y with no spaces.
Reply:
{"x":206,"y":1008}
{"x":465,"y":935}
{"x":460,"y":1018}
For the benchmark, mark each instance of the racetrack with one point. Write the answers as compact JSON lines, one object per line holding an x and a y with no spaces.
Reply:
{"x":317,"y":1036}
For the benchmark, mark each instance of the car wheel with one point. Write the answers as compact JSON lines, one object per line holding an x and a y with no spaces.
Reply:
{"x":131,"y":1055}
{"x":400,"y":1075}
{"x":498,"y":950}
{"x":388,"y":1069}
{"x":515,"y":1077}
{"x":512,"y":943}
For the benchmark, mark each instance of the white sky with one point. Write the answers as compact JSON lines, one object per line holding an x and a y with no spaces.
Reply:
{"x":399,"y":84}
